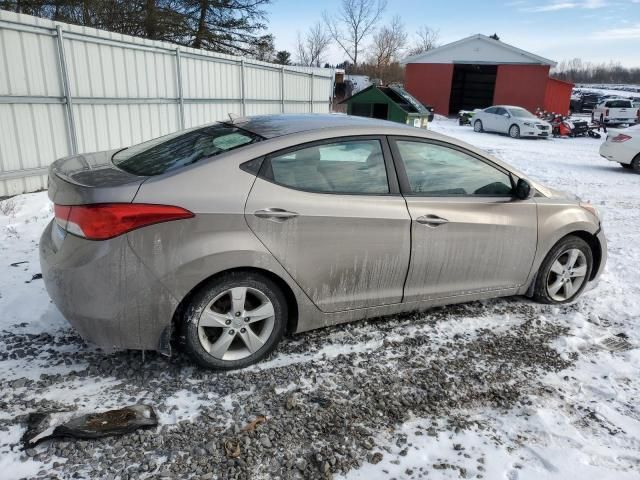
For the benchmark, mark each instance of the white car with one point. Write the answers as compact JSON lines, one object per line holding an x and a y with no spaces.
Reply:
{"x":514,"y":121}
{"x":615,"y":111}
{"x":623,"y":146}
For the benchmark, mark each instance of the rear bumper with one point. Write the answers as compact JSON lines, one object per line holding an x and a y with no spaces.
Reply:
{"x":619,"y":153}
{"x":620,"y":121}
{"x":106,"y":292}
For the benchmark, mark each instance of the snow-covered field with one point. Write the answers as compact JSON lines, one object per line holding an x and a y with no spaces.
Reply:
{"x":504,"y":389}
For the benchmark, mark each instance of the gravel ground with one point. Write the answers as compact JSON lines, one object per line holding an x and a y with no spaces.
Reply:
{"x":323,"y":412}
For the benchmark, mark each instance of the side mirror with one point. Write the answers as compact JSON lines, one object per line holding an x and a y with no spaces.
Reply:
{"x":523,"y":190}
{"x":506,"y":114}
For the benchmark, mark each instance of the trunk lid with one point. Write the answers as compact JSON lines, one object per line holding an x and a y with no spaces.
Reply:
{"x":91,"y":178}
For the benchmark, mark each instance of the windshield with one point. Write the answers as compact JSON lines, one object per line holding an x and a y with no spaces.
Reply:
{"x":521,"y":113}
{"x":180,"y":149}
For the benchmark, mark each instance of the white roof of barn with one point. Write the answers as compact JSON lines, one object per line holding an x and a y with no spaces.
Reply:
{"x":479,"y":49}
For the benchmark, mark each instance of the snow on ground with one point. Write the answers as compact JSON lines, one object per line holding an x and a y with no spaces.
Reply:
{"x":583,"y":423}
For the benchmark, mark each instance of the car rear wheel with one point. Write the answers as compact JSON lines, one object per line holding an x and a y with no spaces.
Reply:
{"x":234,"y":321}
{"x":635,"y":164}
{"x":514,"y":131}
{"x":477,"y":126}
{"x":565,"y":271}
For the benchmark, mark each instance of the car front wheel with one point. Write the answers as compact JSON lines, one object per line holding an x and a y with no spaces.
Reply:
{"x":565,"y":271}
{"x":234,"y":320}
{"x":514,"y":131}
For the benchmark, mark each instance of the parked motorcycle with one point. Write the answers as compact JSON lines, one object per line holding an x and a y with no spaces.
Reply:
{"x":465,"y":116}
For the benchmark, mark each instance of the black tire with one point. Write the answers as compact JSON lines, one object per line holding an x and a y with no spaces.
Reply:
{"x":514,"y":131}
{"x":208,"y":292}
{"x":635,"y":164}
{"x":541,"y":293}
{"x":477,"y":126}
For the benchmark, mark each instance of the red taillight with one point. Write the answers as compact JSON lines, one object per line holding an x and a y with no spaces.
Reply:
{"x":621,"y":137}
{"x":107,"y":220}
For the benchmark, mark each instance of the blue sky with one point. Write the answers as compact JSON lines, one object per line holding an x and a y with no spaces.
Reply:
{"x":594,"y":30}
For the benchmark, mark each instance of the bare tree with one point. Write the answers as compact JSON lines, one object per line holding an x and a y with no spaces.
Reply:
{"x":312,"y":47}
{"x":579,"y":71}
{"x":388,"y":43}
{"x":428,"y":39}
{"x":354,"y":21}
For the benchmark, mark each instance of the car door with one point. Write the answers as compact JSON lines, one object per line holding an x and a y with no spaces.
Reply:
{"x":469,"y":234}
{"x":502,"y":120}
{"x":489,"y":119}
{"x":331,"y":213}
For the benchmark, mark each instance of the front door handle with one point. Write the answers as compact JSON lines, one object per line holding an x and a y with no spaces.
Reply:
{"x":275,"y":214}
{"x":431,"y":220}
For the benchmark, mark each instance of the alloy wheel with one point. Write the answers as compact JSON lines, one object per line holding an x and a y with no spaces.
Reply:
{"x":236,"y":323}
{"x":514,"y":131}
{"x":567,"y":274}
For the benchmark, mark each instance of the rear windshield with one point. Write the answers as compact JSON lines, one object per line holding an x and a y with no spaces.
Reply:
{"x":619,"y":104}
{"x":182,"y":148}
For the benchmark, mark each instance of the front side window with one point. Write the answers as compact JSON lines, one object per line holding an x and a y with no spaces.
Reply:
{"x":180,"y":149}
{"x":491,"y":110}
{"x":434,"y":170}
{"x":353,"y":166}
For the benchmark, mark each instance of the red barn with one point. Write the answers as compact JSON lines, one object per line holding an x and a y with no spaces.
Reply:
{"x":478,"y":71}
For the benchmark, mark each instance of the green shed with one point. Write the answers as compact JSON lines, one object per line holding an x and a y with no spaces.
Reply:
{"x":388,"y":103}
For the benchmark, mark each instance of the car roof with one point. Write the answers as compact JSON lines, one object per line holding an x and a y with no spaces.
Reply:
{"x":271,"y":126}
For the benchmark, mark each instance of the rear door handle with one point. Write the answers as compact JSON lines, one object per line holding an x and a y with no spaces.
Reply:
{"x":275,"y":214}
{"x":431,"y":220}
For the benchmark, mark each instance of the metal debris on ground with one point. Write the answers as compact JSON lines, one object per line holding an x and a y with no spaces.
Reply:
{"x":232,"y":448}
{"x":618,"y":343}
{"x":43,"y":426}
{"x":251,"y":426}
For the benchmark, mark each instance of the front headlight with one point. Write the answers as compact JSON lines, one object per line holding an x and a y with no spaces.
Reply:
{"x":528,"y":124}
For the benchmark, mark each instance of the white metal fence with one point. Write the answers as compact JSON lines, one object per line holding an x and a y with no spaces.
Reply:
{"x":66,"y":89}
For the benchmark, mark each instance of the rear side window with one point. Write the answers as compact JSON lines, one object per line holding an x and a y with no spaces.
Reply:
{"x":180,"y":149}
{"x":619,"y":104}
{"x":355,"y":166}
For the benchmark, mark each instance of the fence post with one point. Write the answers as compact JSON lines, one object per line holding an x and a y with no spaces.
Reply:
{"x":242,"y":88}
{"x":282,"y":89}
{"x":332,"y":86}
{"x":64,"y":76}
{"x":180,"y":94}
{"x":311,"y":94}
